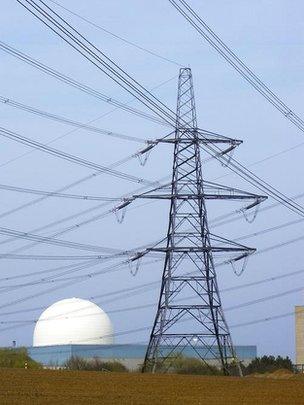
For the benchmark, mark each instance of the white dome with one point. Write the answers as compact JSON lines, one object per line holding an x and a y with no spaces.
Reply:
{"x":73,"y":321}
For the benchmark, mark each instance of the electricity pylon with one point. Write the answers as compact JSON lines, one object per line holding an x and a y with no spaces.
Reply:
{"x":190,"y":319}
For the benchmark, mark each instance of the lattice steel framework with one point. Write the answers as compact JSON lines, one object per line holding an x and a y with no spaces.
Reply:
{"x":189,"y":266}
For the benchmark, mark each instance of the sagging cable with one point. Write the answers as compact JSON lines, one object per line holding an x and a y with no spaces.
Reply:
{"x":138,"y":257}
{"x":239,"y":272}
{"x":144,"y":154}
{"x":121,"y":209}
{"x":256,"y":206}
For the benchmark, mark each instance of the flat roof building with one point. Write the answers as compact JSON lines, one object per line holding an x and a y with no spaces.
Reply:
{"x":131,"y":355}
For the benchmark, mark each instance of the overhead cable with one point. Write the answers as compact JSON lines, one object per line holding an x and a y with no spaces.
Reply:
{"x":256,"y":181}
{"x":66,"y":156}
{"x":53,"y":241}
{"x":151,"y":305}
{"x":214,"y":40}
{"x":263,"y":320}
{"x":75,"y":279}
{"x":105,"y":64}
{"x":236,"y":214}
{"x":68,"y":282}
{"x":87,"y":123}
{"x":65,"y":230}
{"x":153,"y":53}
{"x":44,"y":114}
{"x":70,"y":35}
{"x":72,"y":82}
{"x":142,"y":288}
{"x":24,"y":190}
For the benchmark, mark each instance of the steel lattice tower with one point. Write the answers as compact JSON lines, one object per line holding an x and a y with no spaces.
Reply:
{"x":189,"y":263}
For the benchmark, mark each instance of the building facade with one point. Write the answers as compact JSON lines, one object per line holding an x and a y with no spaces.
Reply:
{"x":131,"y":355}
{"x":299,"y":334}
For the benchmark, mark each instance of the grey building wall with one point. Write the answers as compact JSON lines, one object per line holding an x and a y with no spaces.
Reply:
{"x":299,"y":334}
{"x":131,"y":355}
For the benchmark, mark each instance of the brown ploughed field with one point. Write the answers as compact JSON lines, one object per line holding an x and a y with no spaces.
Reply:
{"x":32,"y":387}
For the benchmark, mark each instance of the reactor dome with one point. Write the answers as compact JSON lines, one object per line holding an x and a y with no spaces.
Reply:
{"x":73,"y":321}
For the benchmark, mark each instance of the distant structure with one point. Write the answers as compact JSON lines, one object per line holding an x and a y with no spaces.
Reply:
{"x":73,"y":321}
{"x":131,"y":355}
{"x":299,"y":334}
{"x":76,"y":327}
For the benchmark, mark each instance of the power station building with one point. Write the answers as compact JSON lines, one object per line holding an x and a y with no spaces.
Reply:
{"x":299,"y":335}
{"x":77,"y":327}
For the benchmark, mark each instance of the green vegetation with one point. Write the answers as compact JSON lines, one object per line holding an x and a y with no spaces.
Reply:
{"x":17,"y":358}
{"x":79,"y":363}
{"x":261,"y":365}
{"x":194,"y":366}
{"x":268,"y":364}
{"x":184,"y":365}
{"x":265,"y":364}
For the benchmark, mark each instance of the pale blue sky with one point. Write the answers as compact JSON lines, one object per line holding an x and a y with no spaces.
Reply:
{"x":267,"y":34}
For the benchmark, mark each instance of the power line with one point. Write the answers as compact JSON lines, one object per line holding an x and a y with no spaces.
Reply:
{"x":285,"y":201}
{"x":67,"y":229}
{"x":53,"y":241}
{"x":117,"y":36}
{"x":140,"y":288}
{"x":115,"y":253}
{"x":155,"y":284}
{"x":236,"y":216}
{"x":145,"y":287}
{"x":262,"y":320}
{"x":46,"y":271}
{"x":115,"y":65}
{"x":75,"y":267}
{"x":269,"y":157}
{"x":71,"y":281}
{"x":263,"y":281}
{"x":138,"y":307}
{"x":238,"y":325}
{"x":284,"y":242}
{"x":271,"y":229}
{"x":220,"y":220}
{"x":253,"y":179}
{"x":72,"y":269}
{"x":209,"y":35}
{"x":66,"y":156}
{"x":12,"y":103}
{"x":74,"y":83}
{"x":94,"y":248}
{"x":71,"y":36}
{"x":137,"y":154}
{"x":55,"y":288}
{"x":105,"y":64}
{"x":279,"y":245}
{"x":85,"y":197}
{"x":145,"y":328}
{"x":264,"y":299}
{"x":87,"y":123}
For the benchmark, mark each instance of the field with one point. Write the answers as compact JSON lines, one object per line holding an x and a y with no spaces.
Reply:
{"x":73,"y":387}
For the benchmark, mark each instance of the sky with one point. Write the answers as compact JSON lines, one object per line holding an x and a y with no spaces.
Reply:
{"x":268,"y":36}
